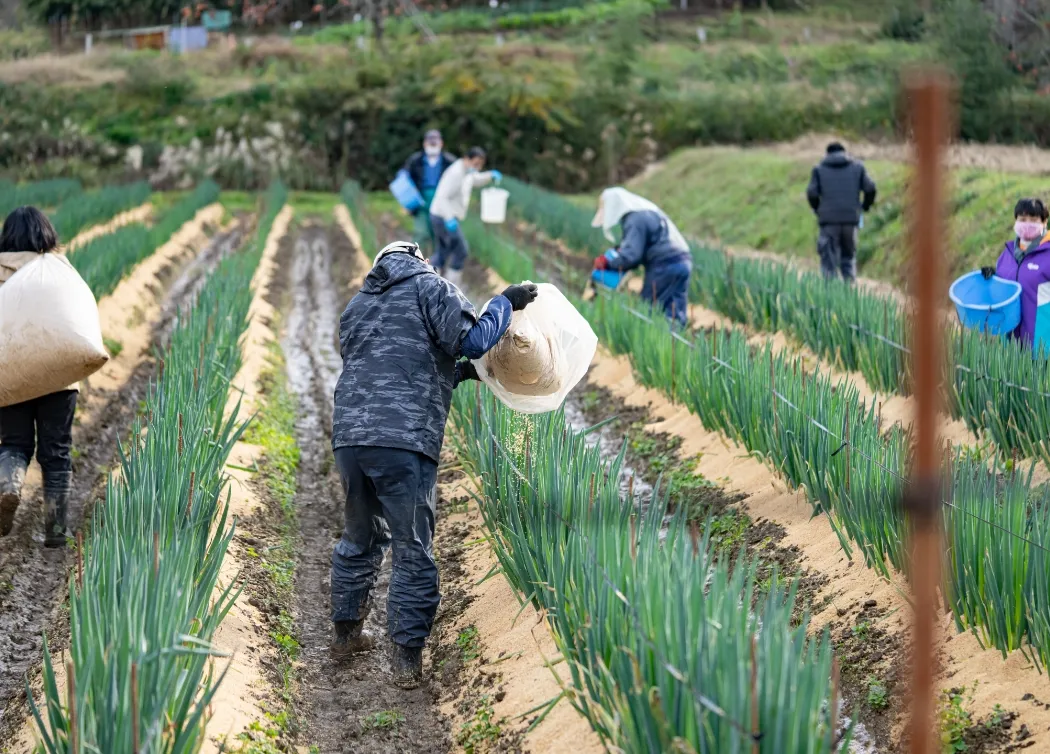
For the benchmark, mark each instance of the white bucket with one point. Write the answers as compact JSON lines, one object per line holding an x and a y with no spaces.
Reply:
{"x":494,"y":205}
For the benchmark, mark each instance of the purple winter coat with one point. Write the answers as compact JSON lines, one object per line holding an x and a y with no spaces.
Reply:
{"x":1033,"y":273}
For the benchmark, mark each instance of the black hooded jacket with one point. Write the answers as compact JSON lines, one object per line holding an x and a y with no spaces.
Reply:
{"x":400,"y":338}
{"x":835,"y":189}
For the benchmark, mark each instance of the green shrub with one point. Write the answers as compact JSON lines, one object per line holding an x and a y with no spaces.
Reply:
{"x":23,"y":43}
{"x":964,"y":33}
{"x":906,"y":22}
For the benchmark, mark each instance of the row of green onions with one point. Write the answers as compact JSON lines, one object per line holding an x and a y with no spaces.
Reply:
{"x":49,"y":193}
{"x":104,"y":261}
{"x":994,"y":385}
{"x":799,"y":423}
{"x":144,"y":598}
{"x":91,"y":207}
{"x":702,"y":672}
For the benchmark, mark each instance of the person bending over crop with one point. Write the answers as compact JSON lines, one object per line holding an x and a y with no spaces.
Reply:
{"x":43,"y":424}
{"x":651,"y":240}
{"x":449,"y":209}
{"x":402,"y":339}
{"x":1026,"y":259}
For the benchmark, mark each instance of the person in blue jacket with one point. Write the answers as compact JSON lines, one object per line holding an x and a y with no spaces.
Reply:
{"x":406,"y":340}
{"x":425,"y":168}
{"x":649,"y":239}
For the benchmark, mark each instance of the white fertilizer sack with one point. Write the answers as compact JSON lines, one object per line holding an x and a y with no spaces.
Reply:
{"x":545,"y":352}
{"x":50,"y":337}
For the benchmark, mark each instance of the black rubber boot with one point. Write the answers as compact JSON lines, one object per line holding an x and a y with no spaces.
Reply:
{"x":57,"y":490}
{"x":12,"y":476}
{"x":407,"y":665}
{"x":350,"y":639}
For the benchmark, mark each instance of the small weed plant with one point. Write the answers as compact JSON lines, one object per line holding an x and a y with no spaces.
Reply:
{"x":480,"y":733}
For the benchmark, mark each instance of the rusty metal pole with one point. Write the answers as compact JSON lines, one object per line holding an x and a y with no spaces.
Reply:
{"x":928,"y":95}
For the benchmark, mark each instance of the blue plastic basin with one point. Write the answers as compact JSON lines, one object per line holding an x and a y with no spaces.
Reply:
{"x":405,"y":191}
{"x":607,"y":278}
{"x":992,"y":306}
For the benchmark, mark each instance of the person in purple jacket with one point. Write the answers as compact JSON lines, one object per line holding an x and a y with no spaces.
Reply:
{"x":1026,"y":259}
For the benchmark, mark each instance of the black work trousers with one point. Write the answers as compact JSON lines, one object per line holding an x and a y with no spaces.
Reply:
{"x":837,"y":246}
{"x":398,"y":487}
{"x":43,"y":426}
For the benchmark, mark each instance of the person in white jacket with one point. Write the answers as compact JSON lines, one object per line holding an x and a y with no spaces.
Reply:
{"x":449,"y":209}
{"x":44,"y":425}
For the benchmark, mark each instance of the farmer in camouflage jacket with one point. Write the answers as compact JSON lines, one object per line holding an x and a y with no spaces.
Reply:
{"x":402,"y":337}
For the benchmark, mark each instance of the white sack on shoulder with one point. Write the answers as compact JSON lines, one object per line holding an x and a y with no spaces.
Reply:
{"x":50,"y":336}
{"x":545,"y":352}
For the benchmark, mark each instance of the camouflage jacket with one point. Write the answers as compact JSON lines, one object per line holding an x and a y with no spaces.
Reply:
{"x":400,"y":338}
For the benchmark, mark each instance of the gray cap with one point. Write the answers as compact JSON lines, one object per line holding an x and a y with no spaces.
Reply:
{"x":432,"y":135}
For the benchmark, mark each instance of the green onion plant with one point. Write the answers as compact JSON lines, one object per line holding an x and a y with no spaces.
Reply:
{"x":41,"y":194}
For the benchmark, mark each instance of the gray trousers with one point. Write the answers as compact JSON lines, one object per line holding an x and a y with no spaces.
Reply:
{"x":398,"y":487}
{"x":837,"y":246}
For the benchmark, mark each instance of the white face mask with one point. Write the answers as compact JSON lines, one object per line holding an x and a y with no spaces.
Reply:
{"x":432,"y":150}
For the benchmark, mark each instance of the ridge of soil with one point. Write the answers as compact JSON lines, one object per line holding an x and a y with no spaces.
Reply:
{"x":34,"y":577}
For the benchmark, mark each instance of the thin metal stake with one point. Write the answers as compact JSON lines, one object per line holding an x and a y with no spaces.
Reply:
{"x":135,"y":708}
{"x":755,"y":732}
{"x":846,"y":440}
{"x":71,"y":700}
{"x":834,"y":728}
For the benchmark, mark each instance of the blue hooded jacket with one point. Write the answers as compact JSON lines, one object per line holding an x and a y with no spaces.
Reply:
{"x":401,"y":337}
{"x":646,"y":241}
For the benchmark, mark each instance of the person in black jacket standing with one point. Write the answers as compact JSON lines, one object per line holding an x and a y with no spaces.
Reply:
{"x":834,"y":193}
{"x":425,"y":168}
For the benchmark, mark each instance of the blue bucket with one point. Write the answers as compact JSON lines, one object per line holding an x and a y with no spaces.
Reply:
{"x":607,"y":278}
{"x":992,"y":306}
{"x":405,"y":191}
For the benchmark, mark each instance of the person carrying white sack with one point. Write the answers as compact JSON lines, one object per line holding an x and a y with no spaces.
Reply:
{"x":44,"y":424}
{"x":449,"y":209}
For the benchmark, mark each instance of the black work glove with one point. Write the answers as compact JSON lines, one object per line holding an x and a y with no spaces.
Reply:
{"x":987,"y":272}
{"x":465,"y":370}
{"x":521,"y":296}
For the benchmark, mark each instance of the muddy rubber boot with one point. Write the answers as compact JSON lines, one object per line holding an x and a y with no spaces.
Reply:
{"x":455,"y":277}
{"x":12,"y":476}
{"x":350,"y":639}
{"x":57,"y":491}
{"x":407,"y":665}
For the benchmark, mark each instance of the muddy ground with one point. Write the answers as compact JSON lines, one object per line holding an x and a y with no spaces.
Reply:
{"x":33,"y":579}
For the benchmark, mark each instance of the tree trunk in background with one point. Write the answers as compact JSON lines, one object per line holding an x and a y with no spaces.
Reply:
{"x":375,"y":8}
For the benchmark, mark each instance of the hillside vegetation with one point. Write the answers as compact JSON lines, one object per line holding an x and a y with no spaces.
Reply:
{"x":757,"y":199}
{"x":530,"y":86}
